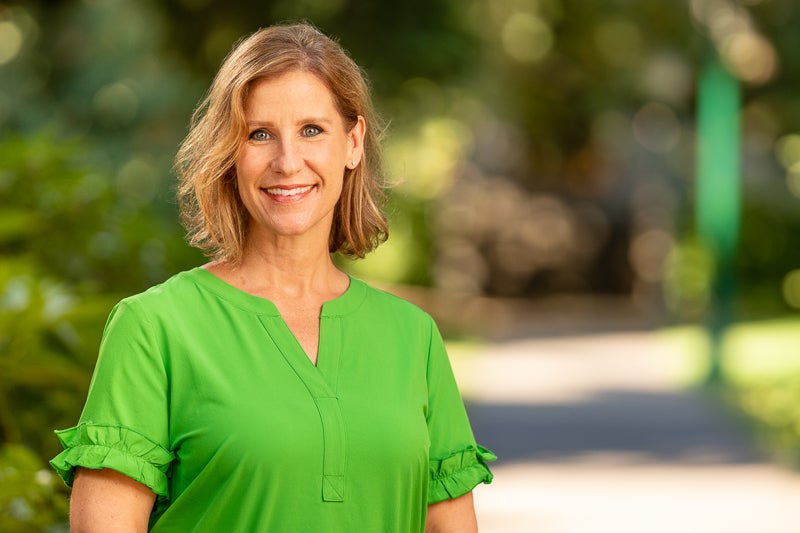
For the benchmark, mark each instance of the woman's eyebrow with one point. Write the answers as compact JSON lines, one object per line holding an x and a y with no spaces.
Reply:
{"x":303,"y":121}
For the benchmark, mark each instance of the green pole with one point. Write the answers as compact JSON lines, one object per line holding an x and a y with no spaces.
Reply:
{"x":718,"y":193}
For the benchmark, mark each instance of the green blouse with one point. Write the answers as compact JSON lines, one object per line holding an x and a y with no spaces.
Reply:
{"x":202,"y":393}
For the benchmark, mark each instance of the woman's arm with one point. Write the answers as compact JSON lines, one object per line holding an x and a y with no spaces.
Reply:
{"x":107,"y":501}
{"x":452,"y":516}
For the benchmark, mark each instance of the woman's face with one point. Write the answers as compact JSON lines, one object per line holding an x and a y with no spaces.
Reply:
{"x":291,"y":166}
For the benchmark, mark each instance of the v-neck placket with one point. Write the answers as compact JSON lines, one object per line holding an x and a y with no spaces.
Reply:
{"x":324,"y":393}
{"x":321,"y":380}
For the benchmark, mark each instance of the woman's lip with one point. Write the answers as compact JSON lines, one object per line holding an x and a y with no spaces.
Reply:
{"x":287,"y":194}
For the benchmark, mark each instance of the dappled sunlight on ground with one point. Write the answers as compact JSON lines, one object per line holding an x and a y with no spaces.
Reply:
{"x":598,"y":433}
{"x":557,"y":369}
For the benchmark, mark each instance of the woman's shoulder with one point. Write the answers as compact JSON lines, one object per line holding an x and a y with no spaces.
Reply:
{"x":175,"y":290}
{"x":394,"y":301}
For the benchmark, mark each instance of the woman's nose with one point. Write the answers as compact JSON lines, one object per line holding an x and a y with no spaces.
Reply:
{"x":288,"y":159}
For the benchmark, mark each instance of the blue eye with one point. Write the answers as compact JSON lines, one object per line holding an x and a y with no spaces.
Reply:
{"x":259,"y":135}
{"x":311,"y":131}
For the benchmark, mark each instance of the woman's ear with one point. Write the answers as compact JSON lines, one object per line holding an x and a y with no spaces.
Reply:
{"x":356,"y":143}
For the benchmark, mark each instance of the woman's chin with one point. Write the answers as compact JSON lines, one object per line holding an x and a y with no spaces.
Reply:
{"x":297,"y":228}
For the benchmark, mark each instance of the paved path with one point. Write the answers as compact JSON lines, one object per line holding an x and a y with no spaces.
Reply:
{"x":594,"y":436}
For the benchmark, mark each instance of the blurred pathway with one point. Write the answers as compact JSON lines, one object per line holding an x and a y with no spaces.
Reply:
{"x":593,"y":436}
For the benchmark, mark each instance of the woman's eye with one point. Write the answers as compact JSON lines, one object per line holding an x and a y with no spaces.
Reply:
{"x":311,"y":131}
{"x":259,"y":135}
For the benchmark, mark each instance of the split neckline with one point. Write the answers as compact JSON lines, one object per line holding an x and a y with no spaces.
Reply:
{"x":342,"y":305}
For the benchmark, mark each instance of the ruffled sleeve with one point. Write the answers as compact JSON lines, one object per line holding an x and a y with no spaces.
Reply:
{"x":459,"y":473}
{"x":118,"y":448}
{"x":125,"y":421}
{"x":457,"y":462}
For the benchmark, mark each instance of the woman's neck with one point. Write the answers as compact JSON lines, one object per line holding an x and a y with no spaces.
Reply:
{"x":284,"y":269}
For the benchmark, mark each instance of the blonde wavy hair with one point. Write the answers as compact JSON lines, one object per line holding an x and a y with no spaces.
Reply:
{"x":212,"y":212}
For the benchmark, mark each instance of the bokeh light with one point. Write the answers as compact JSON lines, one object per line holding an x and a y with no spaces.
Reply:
{"x":745,"y":50}
{"x":667,"y":77}
{"x":793,"y":180}
{"x":688,"y":274}
{"x":752,"y":57}
{"x":656,"y":127}
{"x":10,"y":41}
{"x":424,"y":160}
{"x":139,"y":180}
{"x":648,"y":253}
{"x":787,"y":150}
{"x":116,"y":103}
{"x":526,"y":37}
{"x":791,"y":288}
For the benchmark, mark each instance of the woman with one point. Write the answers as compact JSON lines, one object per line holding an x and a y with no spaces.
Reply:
{"x":268,"y":390}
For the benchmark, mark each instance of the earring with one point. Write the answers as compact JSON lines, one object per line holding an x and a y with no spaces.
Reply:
{"x":353,"y":164}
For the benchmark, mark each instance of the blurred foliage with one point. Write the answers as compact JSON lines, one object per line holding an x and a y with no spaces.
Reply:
{"x":689,"y":273}
{"x":772,"y":406}
{"x":32,"y":498}
{"x":48,"y":352}
{"x":762,"y":367}
{"x":71,"y":246}
{"x":584,"y":112}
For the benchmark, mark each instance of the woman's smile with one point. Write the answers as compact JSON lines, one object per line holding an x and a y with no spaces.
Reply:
{"x":288,"y":194}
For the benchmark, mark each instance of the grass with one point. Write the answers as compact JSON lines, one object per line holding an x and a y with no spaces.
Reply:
{"x":761,"y":367}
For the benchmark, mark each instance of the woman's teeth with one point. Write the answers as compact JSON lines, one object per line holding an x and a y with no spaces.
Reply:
{"x":289,"y":192}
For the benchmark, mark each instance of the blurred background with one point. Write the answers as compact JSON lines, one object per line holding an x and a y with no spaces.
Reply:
{"x":563,"y":172}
